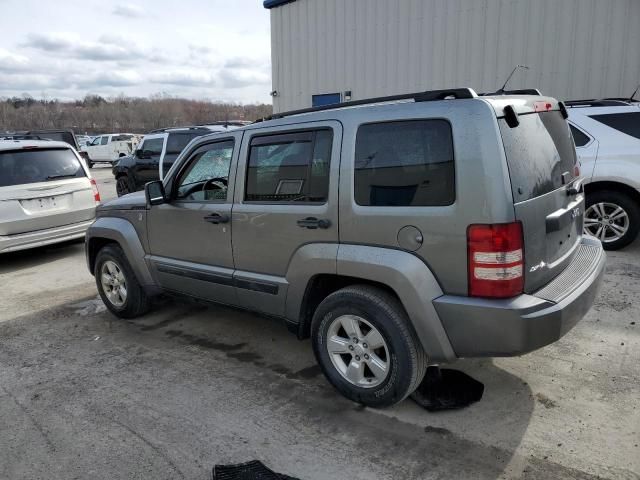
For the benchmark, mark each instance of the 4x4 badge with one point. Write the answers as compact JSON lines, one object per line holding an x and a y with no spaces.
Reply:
{"x":536,"y":267}
{"x":575,"y":213}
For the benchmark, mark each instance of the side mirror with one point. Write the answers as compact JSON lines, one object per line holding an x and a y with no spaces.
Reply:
{"x":154,"y":192}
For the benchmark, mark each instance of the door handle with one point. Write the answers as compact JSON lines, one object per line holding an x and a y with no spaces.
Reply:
{"x":217,"y":218}
{"x":312,"y":223}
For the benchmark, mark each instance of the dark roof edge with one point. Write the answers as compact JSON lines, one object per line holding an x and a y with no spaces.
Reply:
{"x":269,"y":4}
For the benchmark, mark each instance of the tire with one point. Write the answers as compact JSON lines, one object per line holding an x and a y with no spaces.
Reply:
{"x":406,"y":361}
{"x":90,"y":164}
{"x":135,"y":301}
{"x":122,"y":185}
{"x":599,"y":206}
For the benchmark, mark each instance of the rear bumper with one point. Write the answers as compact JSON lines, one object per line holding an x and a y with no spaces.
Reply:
{"x":498,"y":328}
{"x":39,"y":238}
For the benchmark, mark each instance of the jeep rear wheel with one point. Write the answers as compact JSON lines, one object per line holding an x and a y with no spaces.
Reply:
{"x":366,"y":347}
{"x":612,"y":217}
{"x":122,"y":185}
{"x":117,"y":285}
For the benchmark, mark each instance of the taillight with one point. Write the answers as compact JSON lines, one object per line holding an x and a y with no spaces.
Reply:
{"x":496,"y":260}
{"x":96,"y":192}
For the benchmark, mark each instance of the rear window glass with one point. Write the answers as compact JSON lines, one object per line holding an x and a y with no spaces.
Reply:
{"x":405,"y":164}
{"x":19,"y":167}
{"x":177,"y":141}
{"x":539,"y":152}
{"x":628,"y":123}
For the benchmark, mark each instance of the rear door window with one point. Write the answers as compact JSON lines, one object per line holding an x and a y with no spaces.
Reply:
{"x":405,"y":164}
{"x":628,"y":123}
{"x":540,"y":154}
{"x":291,"y":167}
{"x":19,"y":167}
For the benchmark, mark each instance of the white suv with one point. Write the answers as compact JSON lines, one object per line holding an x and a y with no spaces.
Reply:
{"x":607,"y":137}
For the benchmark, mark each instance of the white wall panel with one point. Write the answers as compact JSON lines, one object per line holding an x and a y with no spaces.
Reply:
{"x":575,"y":48}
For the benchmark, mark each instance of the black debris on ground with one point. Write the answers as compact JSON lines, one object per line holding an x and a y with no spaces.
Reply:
{"x":446,"y":389}
{"x":253,"y":470}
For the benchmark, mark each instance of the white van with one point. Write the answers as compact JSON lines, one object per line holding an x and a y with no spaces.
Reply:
{"x":47,"y":194}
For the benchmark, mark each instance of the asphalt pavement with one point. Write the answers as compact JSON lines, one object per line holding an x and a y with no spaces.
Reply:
{"x":167,"y":396}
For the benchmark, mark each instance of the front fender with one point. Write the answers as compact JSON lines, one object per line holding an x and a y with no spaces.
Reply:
{"x":122,"y":232}
{"x":414,"y":283}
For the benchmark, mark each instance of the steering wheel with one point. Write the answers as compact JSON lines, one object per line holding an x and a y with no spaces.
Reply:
{"x":215,"y":182}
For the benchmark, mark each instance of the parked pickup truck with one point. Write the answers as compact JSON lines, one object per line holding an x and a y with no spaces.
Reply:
{"x":109,"y":148}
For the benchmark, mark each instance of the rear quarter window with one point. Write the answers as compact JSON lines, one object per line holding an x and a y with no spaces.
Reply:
{"x":405,"y":164}
{"x":540,"y":151}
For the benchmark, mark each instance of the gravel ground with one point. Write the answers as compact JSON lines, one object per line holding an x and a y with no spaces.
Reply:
{"x":84,"y":395}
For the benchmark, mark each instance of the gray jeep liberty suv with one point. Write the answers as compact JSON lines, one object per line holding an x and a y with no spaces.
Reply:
{"x":397,"y":233}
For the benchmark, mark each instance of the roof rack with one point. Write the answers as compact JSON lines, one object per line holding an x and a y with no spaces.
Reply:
{"x":427,"y":96}
{"x":190,"y":127}
{"x":605,"y":102}
{"x":627,"y":100}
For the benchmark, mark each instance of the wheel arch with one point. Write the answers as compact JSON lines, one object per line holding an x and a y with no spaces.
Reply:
{"x":113,"y":230}
{"x":398,"y":272}
{"x":601,"y":185}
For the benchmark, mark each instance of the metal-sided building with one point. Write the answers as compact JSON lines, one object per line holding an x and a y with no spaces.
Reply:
{"x":325,"y":51}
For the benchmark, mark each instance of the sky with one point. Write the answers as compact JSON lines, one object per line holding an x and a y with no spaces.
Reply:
{"x":201,"y":49}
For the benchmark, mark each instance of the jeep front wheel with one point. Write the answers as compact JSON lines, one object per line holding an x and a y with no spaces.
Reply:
{"x":366,"y":347}
{"x":117,"y":285}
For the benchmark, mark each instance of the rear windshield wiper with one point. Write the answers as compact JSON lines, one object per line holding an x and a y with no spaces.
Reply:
{"x":55,"y":177}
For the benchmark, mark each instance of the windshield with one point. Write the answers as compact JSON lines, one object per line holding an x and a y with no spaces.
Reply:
{"x":540,"y":151}
{"x":177,"y":141}
{"x":19,"y":167}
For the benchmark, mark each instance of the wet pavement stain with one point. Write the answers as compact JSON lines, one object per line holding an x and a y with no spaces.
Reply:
{"x":204,"y":342}
{"x":437,"y":430}
{"x":233,"y":351}
{"x":176,"y":318}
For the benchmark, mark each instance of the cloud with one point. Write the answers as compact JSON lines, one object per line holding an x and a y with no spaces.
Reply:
{"x":192,"y":78}
{"x":128,"y":10}
{"x":50,"y":42}
{"x":116,"y":78}
{"x":108,"y":47}
{"x":11,"y":62}
{"x":240,"y":62}
{"x":238,"y":78}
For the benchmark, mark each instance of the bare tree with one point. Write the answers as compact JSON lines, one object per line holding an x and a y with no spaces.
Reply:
{"x":95,"y":114}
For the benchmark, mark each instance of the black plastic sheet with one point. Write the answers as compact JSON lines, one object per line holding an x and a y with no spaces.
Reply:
{"x":253,"y":470}
{"x":446,"y":389}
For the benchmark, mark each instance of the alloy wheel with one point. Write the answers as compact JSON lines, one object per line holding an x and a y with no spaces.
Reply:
{"x":113,"y":283}
{"x":358,"y":351}
{"x":606,"y":221}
